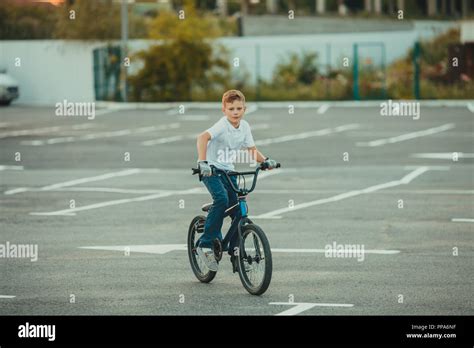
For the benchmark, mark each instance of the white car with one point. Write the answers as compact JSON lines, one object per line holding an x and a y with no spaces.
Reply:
{"x":8,"y":88}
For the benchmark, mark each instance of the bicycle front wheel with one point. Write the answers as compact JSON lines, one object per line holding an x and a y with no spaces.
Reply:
{"x":255,"y":260}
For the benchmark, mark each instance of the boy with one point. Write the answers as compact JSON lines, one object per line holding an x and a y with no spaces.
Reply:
{"x":230,"y":134}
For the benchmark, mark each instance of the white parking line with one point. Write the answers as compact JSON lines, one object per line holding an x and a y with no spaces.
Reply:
{"x":61,"y":186}
{"x":304,"y":306}
{"x":429,"y":167}
{"x":259,"y":126}
{"x":17,"y":190}
{"x":7,"y":296}
{"x":251,"y":109}
{"x":162,"y":140}
{"x":73,"y":211}
{"x":56,"y":140}
{"x":84,"y":126}
{"x":77,"y":181}
{"x":149,"y":249}
{"x":462,"y":220}
{"x":109,"y":190}
{"x":100,"y":135}
{"x":414,"y":192}
{"x":455,"y":134}
{"x":267,"y":173}
{"x":322,"y":251}
{"x":443,"y":155}
{"x":105,"y":111}
{"x":193,"y":117}
{"x":403,"y":181}
{"x":204,"y":191}
{"x":91,"y":179}
{"x":166,"y":248}
{"x":306,"y":135}
{"x":175,"y":138}
{"x":34,"y":131}
{"x":323,"y":108}
{"x":11,"y":168}
{"x":408,"y":136}
{"x":265,"y":217}
{"x":167,"y":193}
{"x":43,"y":130}
{"x":198,"y":190}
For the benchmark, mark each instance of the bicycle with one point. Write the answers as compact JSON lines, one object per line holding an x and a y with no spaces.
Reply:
{"x":253,"y":254}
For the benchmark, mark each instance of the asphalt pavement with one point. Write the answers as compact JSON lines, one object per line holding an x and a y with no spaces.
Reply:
{"x":107,"y":201}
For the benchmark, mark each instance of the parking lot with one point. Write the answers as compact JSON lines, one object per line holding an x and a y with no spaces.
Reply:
{"x":108,"y":202}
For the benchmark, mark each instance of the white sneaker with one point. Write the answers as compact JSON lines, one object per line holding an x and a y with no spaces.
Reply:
{"x":208,"y":258}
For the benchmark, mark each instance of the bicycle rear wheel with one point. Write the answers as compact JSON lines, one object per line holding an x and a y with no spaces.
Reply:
{"x":255,"y":260}
{"x":201,"y":271}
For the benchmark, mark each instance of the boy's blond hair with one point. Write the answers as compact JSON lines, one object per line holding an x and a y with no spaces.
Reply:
{"x":232,"y":95}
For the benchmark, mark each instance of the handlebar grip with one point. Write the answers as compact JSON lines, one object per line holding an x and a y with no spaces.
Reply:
{"x":264,"y":166}
{"x":196,"y":171}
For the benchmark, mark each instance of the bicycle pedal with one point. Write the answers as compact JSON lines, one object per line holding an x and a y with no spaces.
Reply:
{"x":234,"y":260}
{"x":217,"y":248}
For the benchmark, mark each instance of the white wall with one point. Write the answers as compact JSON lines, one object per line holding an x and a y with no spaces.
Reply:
{"x":275,"y":49}
{"x":50,"y":70}
{"x":467,"y":31}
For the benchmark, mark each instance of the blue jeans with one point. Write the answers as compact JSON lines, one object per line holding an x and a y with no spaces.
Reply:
{"x":223,"y":197}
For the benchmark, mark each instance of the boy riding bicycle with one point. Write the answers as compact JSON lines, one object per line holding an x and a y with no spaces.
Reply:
{"x":227,"y":136}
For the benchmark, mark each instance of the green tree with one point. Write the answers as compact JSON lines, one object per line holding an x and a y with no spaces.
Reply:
{"x":26,"y":21}
{"x":88,"y":20}
{"x":96,"y":20}
{"x":185,"y":58}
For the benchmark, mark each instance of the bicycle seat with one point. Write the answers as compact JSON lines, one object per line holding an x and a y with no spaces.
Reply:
{"x":206,"y":207}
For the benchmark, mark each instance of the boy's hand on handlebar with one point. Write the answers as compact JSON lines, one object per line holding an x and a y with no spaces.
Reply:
{"x":205,"y":168}
{"x":270,"y":164}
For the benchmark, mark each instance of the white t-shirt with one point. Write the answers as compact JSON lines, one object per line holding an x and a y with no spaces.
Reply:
{"x":226,"y":141}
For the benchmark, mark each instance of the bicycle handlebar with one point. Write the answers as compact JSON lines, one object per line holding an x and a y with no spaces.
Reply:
{"x":228,"y":174}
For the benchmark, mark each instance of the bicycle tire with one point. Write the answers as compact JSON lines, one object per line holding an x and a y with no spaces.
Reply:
{"x":261,"y":287}
{"x":204,"y":277}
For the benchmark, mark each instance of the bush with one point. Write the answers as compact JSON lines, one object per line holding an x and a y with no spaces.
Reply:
{"x":299,"y":78}
{"x":297,"y":70}
{"x":459,"y":90}
{"x":321,"y":89}
{"x":433,"y":70}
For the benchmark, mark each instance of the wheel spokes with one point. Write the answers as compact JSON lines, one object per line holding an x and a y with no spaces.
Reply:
{"x":254,"y":260}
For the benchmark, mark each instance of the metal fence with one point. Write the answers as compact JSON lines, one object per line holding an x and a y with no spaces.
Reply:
{"x":357,"y":71}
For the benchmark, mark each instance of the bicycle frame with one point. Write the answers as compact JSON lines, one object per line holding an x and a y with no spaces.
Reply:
{"x":242,"y":193}
{"x":242,"y":219}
